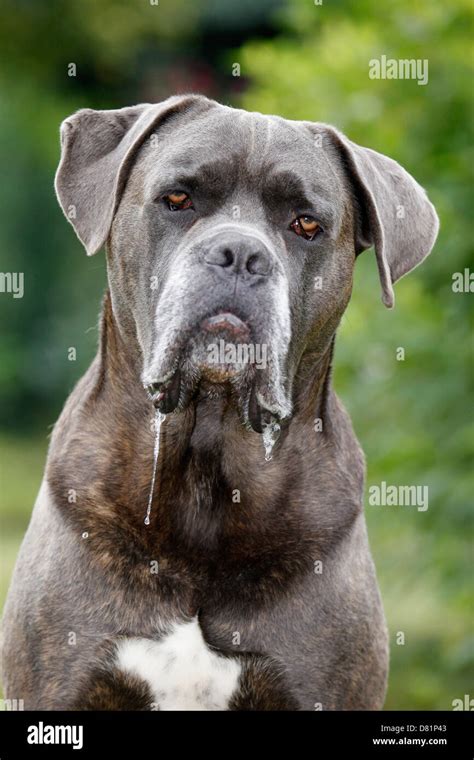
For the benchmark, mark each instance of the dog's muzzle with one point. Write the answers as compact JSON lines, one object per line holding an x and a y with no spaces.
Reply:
{"x":222,"y":324}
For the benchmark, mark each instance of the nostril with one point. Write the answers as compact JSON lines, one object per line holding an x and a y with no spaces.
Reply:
{"x":252,"y":264}
{"x":221,"y":257}
{"x":228,"y":257}
{"x":257,"y":264}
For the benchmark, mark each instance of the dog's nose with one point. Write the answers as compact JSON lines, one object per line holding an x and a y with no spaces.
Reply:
{"x":239,"y":257}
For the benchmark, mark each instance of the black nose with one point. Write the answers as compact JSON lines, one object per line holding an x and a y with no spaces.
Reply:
{"x":242,"y":257}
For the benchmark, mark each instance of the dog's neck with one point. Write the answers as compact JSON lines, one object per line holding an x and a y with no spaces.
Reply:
{"x":213,"y":484}
{"x":219,"y":509}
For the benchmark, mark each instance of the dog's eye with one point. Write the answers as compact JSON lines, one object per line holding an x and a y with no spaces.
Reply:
{"x":178,"y":201}
{"x":306,"y":226}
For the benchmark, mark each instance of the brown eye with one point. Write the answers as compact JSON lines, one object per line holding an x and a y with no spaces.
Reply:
{"x":178,"y":201}
{"x":306,"y":226}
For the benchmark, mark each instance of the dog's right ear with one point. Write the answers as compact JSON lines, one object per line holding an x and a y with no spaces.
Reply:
{"x":97,"y":150}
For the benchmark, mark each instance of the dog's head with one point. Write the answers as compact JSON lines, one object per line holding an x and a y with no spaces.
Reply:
{"x":232,"y":238}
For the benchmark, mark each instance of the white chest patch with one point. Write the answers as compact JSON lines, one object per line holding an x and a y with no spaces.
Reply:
{"x":183,"y":673}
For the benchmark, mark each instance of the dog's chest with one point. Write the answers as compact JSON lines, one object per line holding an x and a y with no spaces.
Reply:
{"x":181,"y":670}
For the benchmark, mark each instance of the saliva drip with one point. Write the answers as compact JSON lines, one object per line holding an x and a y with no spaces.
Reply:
{"x":270,"y":434}
{"x":159,"y":418}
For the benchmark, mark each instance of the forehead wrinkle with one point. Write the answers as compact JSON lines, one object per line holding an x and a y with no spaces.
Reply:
{"x":252,"y":136}
{"x":258,"y":139}
{"x":268,"y":130}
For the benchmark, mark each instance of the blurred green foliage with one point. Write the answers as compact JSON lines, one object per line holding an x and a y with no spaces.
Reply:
{"x":303,"y":61}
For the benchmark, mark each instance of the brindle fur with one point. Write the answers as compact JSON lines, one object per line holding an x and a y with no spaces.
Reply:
{"x":247,"y":567}
{"x":306,"y":638}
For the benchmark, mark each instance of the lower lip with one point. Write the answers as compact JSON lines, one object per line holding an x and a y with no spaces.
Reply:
{"x":227,"y":322}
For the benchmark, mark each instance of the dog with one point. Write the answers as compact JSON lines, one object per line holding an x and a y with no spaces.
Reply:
{"x":199,"y":541}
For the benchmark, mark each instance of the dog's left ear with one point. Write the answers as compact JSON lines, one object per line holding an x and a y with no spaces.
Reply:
{"x":394,"y":215}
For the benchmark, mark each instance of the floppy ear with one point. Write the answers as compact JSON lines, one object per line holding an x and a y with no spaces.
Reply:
{"x":97,"y":150}
{"x":396,"y":216}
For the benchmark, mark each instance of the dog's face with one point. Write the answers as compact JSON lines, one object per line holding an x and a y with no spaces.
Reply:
{"x":225,"y":231}
{"x":232,"y":240}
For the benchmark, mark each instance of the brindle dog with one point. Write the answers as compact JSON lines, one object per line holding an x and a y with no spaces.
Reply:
{"x":253,"y":586}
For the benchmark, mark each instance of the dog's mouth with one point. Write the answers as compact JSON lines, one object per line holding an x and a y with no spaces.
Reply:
{"x":226,"y":321}
{"x":217,"y":349}
{"x":219,"y":357}
{"x":166,"y":395}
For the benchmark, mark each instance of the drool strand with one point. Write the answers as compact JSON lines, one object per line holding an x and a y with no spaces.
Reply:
{"x":159,"y":417}
{"x":271,"y":432}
